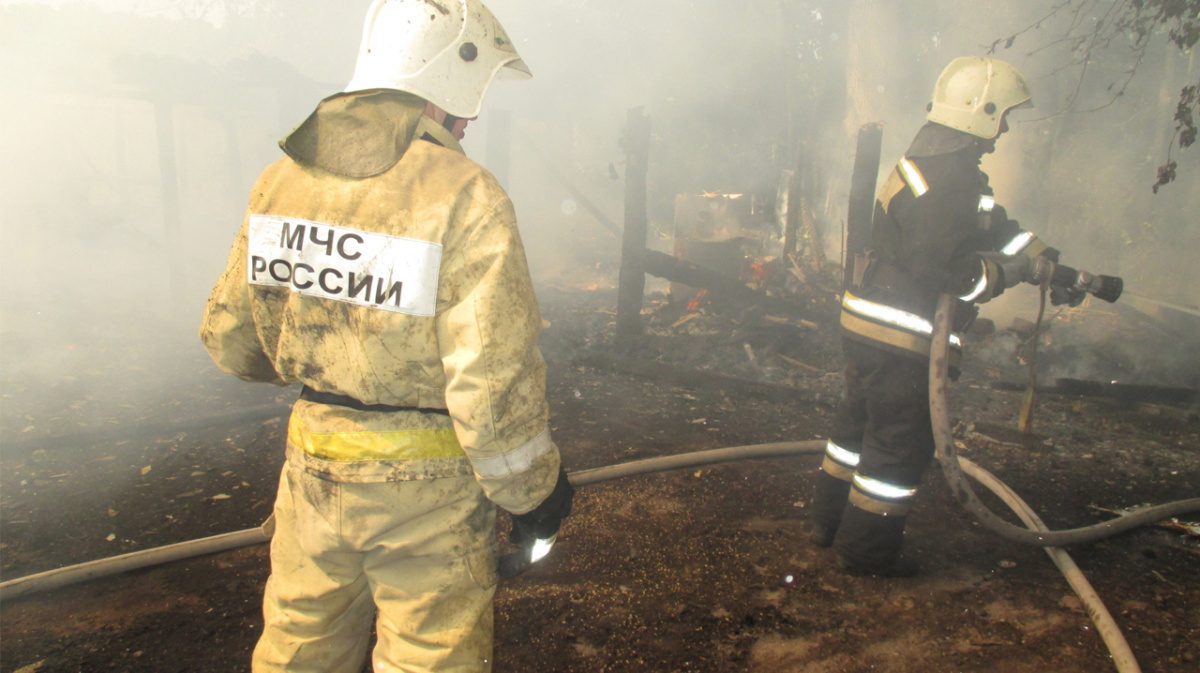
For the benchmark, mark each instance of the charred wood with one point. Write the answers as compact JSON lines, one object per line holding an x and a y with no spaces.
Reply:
{"x":719,"y":285}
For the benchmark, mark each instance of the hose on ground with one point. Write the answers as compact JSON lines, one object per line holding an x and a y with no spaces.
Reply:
{"x":953,"y":468}
{"x":61,"y":577}
{"x":939,"y":414}
{"x":1106,"y":626}
{"x":695,"y":459}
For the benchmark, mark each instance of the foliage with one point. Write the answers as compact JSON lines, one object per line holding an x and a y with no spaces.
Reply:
{"x":1095,"y":25}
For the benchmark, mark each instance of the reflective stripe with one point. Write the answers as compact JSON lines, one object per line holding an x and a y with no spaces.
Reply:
{"x":541,"y":548}
{"x":882,"y":489}
{"x":893,"y":316}
{"x":836,"y":469}
{"x":912,"y":175}
{"x":421,"y":444}
{"x":896,"y":337}
{"x":1017,"y":244}
{"x":843,"y":456}
{"x":980,"y":286}
{"x":986,"y":203}
{"x":516,"y":461}
{"x":881,"y":507}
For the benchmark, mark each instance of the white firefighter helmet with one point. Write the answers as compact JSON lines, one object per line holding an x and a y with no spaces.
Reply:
{"x":973,"y":93}
{"x":445,"y":51}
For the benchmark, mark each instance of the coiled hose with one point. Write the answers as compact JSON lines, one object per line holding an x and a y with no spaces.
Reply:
{"x":939,"y":413}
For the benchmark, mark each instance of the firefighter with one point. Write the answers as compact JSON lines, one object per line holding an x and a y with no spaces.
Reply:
{"x":936,"y":228}
{"x":383,"y":270}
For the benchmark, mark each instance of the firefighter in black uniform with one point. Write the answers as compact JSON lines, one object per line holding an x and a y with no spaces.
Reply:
{"x":936,"y":229}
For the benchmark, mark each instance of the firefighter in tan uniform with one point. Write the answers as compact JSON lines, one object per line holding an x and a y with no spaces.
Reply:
{"x":936,"y":229}
{"x":382,"y":269}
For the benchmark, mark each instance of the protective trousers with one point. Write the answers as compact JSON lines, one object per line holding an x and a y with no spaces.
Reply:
{"x":880,"y":447}
{"x":418,"y":557}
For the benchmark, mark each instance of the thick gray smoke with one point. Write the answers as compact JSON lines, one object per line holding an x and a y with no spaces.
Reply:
{"x":131,"y":138}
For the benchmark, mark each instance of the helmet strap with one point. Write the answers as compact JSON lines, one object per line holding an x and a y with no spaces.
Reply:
{"x":450,"y":121}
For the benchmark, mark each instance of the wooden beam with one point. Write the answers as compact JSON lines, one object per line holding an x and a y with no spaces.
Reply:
{"x":721,"y":286}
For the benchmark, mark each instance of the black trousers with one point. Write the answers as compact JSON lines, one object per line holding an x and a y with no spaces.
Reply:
{"x":885,"y":414}
{"x":884,"y":418}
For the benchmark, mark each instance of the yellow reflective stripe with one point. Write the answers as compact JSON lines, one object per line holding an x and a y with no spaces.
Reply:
{"x":913,"y":176}
{"x":1018,"y":243}
{"x":865,"y":502}
{"x":1035,"y":248}
{"x":841,"y":455}
{"x":1027,"y":244}
{"x":891,"y":315}
{"x":898,"y":338}
{"x":882,"y":489}
{"x":836,"y":469}
{"x":386,"y":445}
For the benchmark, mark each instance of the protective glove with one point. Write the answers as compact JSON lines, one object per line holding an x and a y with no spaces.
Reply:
{"x":535,"y":531}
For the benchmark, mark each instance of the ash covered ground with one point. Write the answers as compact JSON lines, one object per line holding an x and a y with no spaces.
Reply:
{"x":704,"y":569}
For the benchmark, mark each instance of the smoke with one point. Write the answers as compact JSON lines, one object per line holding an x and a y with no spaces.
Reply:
{"x":131,"y":139}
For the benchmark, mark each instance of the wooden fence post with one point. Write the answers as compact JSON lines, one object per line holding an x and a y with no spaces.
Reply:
{"x":632,"y":279}
{"x":862,"y":197}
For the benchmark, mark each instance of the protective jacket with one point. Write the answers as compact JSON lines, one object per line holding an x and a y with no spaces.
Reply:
{"x":936,"y":229}
{"x":382,"y":269}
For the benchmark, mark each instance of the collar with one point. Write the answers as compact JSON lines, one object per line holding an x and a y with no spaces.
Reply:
{"x":935,"y":139}
{"x":431,"y":131}
{"x":359,"y":134}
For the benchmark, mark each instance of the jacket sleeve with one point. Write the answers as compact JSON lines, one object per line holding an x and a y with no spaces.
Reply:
{"x":1011,"y":239}
{"x":228,"y":329}
{"x":495,"y":376}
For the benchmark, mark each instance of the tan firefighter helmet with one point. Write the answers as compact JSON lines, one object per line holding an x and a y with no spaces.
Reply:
{"x":973,"y":93}
{"x":445,"y":51}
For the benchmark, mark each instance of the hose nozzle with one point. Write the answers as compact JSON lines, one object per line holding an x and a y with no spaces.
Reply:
{"x":1108,"y":288}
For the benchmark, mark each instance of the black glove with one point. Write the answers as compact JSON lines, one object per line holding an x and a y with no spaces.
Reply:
{"x":535,"y":531}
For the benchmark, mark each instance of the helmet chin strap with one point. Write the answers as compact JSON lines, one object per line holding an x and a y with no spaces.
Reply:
{"x":450,"y":121}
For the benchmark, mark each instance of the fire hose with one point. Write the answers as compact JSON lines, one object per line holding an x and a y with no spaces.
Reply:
{"x":953,"y":468}
{"x":939,"y":413}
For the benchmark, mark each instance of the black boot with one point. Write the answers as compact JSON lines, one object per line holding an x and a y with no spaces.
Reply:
{"x":869,"y":544}
{"x":828,"y":505}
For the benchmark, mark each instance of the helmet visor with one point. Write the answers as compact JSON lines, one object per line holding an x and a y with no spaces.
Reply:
{"x":515,"y":69}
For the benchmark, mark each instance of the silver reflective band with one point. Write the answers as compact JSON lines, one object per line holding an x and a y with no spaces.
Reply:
{"x":516,"y":461}
{"x":843,"y":456}
{"x":541,"y":548}
{"x":1017,"y":244}
{"x":979,"y":286}
{"x":882,"y":488}
{"x":913,"y":176}
{"x":986,"y":203}
{"x":894,"y":316}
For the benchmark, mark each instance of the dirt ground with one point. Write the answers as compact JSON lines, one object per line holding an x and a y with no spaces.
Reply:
{"x":705,"y":570}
